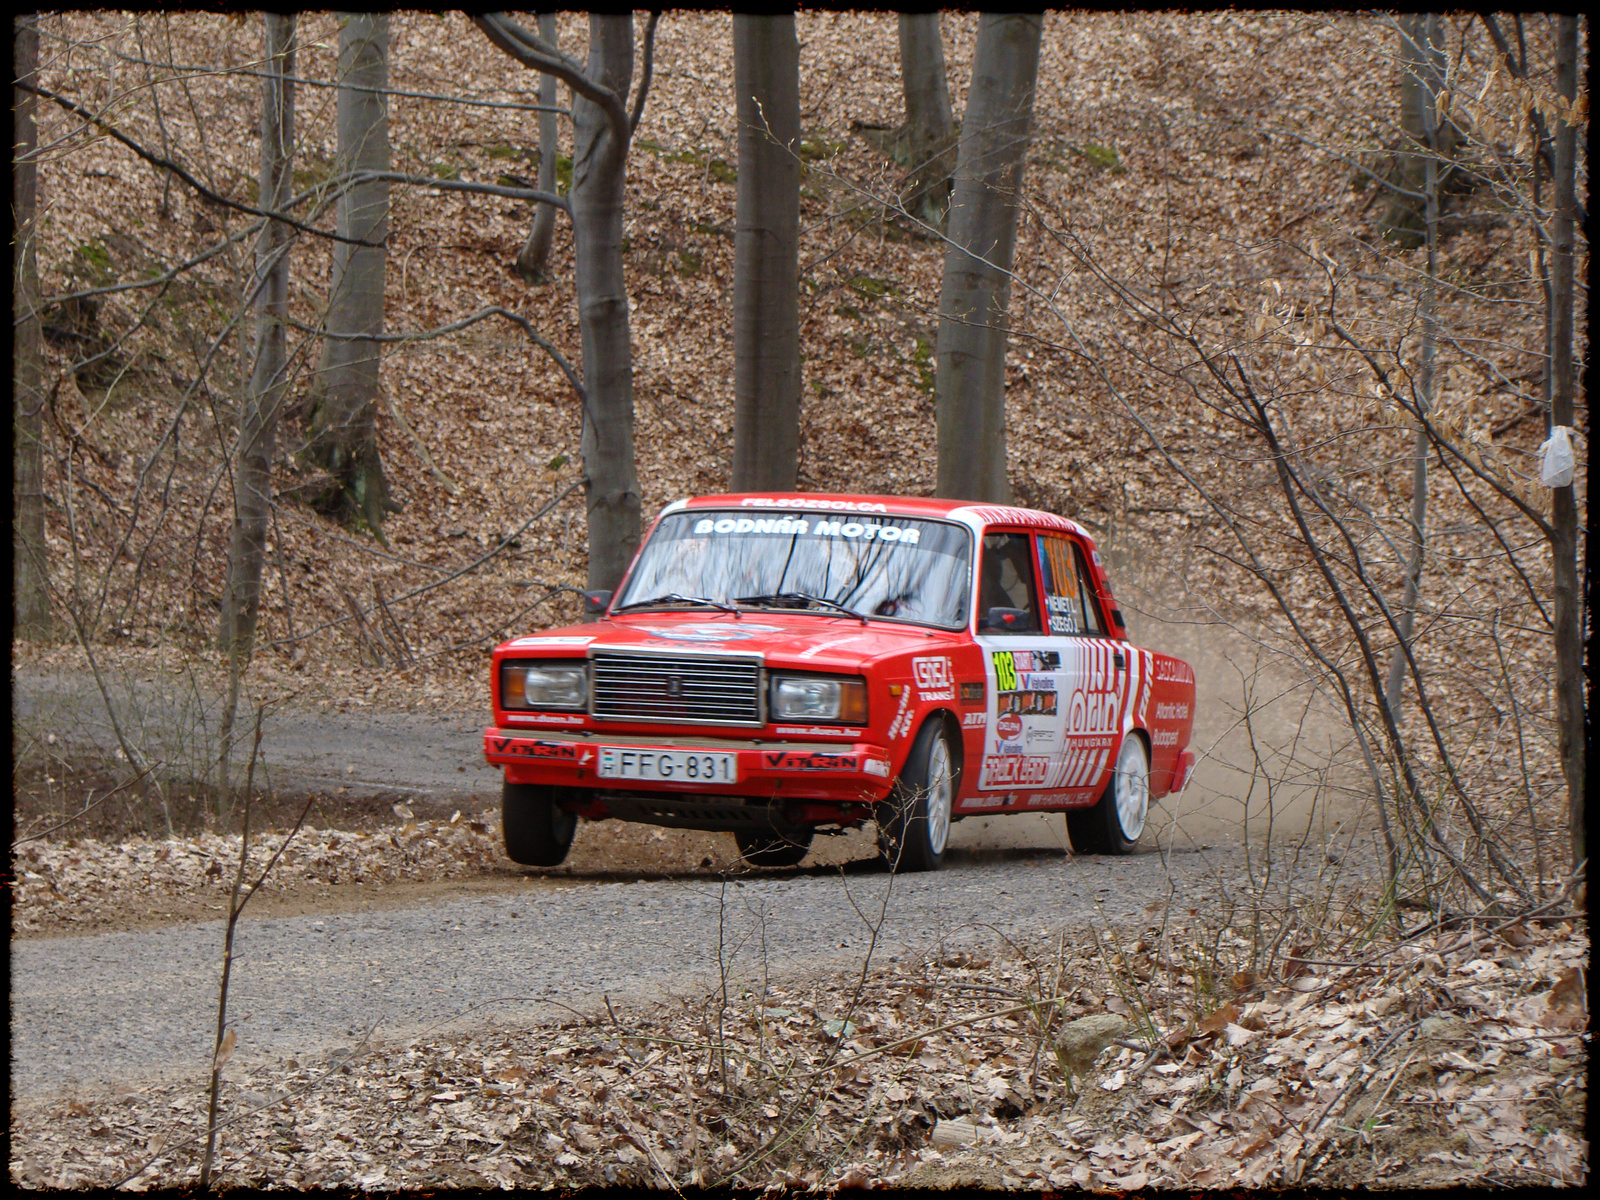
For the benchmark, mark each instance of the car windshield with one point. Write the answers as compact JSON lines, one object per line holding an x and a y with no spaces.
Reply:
{"x":894,"y":568}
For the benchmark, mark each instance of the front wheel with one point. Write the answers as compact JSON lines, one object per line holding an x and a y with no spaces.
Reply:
{"x":538,"y":831}
{"x":774,"y":849}
{"x":914,"y":823}
{"x":1114,"y":824}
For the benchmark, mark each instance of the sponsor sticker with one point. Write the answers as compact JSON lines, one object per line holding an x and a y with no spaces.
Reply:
{"x":818,"y":731}
{"x":1092,"y":710}
{"x":1009,"y":727}
{"x":1010,"y":664}
{"x":901,"y":724}
{"x":544,"y":718}
{"x":528,"y":748}
{"x":1090,"y":741}
{"x":1167,"y":737}
{"x":865,"y":531}
{"x":811,"y":760}
{"x":740,"y":632}
{"x":562,"y":640}
{"x":975,"y":718}
{"x":1014,"y":770}
{"x":1173,"y":670}
{"x":1171,"y":712}
{"x":973,"y":693}
{"x":1027,"y":703}
{"x":1005,"y":514}
{"x":809,"y":502}
{"x":875,"y":766}
{"x":935,"y":678}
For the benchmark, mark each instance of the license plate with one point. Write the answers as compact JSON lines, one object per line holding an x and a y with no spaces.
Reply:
{"x":680,"y":766}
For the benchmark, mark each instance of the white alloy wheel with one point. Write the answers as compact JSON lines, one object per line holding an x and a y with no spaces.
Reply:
{"x":1131,"y":787}
{"x":941,"y":794}
{"x":914,"y":819}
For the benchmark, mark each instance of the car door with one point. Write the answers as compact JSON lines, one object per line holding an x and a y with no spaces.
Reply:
{"x":1022,"y":662}
{"x":1093,"y":675}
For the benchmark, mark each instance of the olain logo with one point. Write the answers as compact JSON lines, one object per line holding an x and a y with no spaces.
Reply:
{"x":675,"y":687}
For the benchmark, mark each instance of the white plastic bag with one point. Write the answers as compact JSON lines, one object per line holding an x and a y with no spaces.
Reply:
{"x":1556,"y":463}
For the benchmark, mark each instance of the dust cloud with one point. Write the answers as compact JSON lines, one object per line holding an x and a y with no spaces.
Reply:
{"x":1275,"y":760}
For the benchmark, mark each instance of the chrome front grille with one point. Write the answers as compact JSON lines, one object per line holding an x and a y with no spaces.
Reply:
{"x":680,"y":689}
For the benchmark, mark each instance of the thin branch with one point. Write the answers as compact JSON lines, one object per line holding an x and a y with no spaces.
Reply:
{"x":324,"y":83}
{"x":533,"y":52}
{"x":455,"y":185}
{"x":1517,"y":71}
{"x":645,"y":71}
{"x":166,"y":164}
{"x":471,"y":566}
{"x":86,"y":809}
{"x":425,"y":335}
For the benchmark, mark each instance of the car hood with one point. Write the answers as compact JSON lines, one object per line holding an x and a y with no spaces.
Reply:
{"x":789,"y":639}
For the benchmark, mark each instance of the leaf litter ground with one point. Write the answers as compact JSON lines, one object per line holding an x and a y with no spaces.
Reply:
{"x":1107,"y":1062}
{"x":1455,"y":1058}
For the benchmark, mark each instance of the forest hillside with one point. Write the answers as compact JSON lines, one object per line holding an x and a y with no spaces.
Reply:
{"x":1208,"y":285}
{"x":1296,"y":326}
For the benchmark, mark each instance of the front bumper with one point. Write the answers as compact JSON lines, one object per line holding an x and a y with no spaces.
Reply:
{"x":769,"y":769}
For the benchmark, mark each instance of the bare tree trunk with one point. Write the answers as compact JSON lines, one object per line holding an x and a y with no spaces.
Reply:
{"x":263,"y":400}
{"x":602,"y":130}
{"x":531,"y":263}
{"x":969,"y":387}
{"x":30,"y":596}
{"x":1572,"y":714}
{"x":1424,"y":394}
{"x":930,"y":137}
{"x":1422,"y":58}
{"x":766,"y":265}
{"x":344,"y":407}
{"x":599,"y":176}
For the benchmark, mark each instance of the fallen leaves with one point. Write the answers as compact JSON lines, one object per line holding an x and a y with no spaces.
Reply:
{"x":1343,"y":1086}
{"x":67,"y":884}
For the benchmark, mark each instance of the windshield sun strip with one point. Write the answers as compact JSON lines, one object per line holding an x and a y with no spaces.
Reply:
{"x":957,"y":618}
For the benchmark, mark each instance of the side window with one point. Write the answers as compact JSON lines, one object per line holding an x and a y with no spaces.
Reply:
{"x":1092,"y":620}
{"x":1007,"y":582}
{"x":1069,"y":592}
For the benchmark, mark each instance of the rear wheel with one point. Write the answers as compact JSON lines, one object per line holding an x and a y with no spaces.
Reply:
{"x":538,"y":831}
{"x":914,"y":823}
{"x":763,"y":849}
{"x":1114,"y":824}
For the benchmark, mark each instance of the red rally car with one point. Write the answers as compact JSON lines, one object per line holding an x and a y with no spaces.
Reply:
{"x":778,"y":664}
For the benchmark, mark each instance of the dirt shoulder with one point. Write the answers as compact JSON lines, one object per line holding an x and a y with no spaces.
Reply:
{"x":1456,"y":1059}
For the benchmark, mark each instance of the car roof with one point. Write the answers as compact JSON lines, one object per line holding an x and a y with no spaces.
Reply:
{"x":910,"y":506}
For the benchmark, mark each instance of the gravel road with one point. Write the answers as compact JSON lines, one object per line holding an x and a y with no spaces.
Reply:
{"x":123,"y":1007}
{"x":436,"y":755}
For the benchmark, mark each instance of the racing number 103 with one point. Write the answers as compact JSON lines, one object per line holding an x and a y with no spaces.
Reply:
{"x":1005,"y":671}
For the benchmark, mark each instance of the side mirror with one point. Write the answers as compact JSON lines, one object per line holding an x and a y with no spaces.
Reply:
{"x":596,"y":603}
{"x":1013,"y":620}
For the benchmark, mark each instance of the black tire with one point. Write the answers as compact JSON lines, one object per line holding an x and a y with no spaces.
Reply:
{"x":538,"y":831}
{"x":1115,"y":822}
{"x":914,"y":823}
{"x":764,"y":849}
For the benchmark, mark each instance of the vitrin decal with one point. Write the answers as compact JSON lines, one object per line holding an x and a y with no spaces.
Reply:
{"x":564,"y":751}
{"x":815,"y":760}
